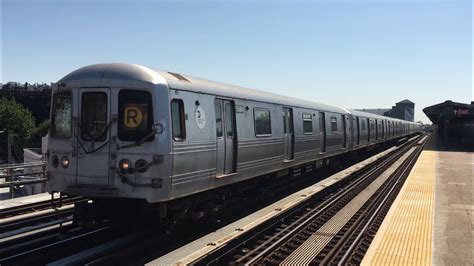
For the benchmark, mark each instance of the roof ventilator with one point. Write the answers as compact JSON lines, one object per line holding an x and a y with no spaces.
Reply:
{"x":179,"y":77}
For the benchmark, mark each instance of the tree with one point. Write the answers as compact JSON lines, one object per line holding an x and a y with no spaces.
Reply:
{"x":38,"y":133}
{"x":17,"y":120}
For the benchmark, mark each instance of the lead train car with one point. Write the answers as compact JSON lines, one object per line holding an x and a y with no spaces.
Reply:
{"x":127,"y":131}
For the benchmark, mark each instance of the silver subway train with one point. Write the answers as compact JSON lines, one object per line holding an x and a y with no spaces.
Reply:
{"x":128,"y":131}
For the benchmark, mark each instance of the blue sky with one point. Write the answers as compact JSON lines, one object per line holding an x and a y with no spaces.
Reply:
{"x":353,"y":54}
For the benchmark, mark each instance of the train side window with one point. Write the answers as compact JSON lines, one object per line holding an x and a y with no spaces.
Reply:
{"x":61,"y":115}
{"x":178,"y":119}
{"x":333,"y":124}
{"x":135,"y":118}
{"x":263,"y":127}
{"x":307,"y":124}
{"x":363,"y":125}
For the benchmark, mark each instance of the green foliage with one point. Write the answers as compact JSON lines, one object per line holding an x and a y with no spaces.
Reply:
{"x":17,"y":120}
{"x":40,"y":131}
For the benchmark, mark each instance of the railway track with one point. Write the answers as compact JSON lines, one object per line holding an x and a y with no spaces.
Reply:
{"x":61,"y":241}
{"x":34,"y":216}
{"x":38,"y":206}
{"x":357,"y":236}
{"x":25,"y":227}
{"x":42,"y":247}
{"x":336,"y":229}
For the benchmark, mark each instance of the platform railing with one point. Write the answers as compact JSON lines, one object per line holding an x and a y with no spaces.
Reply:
{"x":15,"y":175}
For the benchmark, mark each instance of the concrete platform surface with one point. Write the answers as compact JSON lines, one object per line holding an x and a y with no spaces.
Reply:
{"x":431,"y":222}
{"x":454,"y":209}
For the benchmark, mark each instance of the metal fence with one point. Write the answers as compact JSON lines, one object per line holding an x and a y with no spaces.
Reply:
{"x":15,"y":175}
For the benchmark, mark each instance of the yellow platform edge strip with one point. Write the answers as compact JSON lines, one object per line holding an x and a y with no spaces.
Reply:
{"x":405,"y":236}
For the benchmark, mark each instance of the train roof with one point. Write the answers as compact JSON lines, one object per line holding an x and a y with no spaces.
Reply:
{"x":370,"y":115}
{"x":217,"y":88}
{"x":134,"y":72}
{"x":119,"y":71}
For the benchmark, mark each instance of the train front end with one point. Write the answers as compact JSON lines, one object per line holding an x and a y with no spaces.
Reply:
{"x":108,"y":133}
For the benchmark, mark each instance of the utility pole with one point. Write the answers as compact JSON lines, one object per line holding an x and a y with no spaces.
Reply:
{"x":9,"y":145}
{"x":10,"y":159}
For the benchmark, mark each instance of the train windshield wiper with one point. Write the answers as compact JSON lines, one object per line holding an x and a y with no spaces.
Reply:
{"x":93,"y":138}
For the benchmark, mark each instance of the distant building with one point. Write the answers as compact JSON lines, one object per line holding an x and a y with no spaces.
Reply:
{"x":404,"y":110}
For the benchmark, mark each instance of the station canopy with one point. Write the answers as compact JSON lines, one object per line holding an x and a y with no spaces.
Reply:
{"x":448,"y":110}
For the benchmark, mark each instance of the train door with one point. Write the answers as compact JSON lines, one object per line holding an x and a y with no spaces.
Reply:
{"x":388,"y":130}
{"x":322,"y":131}
{"x":384,"y":124}
{"x":226,"y":137}
{"x":93,"y":137}
{"x":344,"y":132}
{"x":368,"y":130}
{"x":289,"y":133}
{"x":376,"y":129}
{"x":358,"y":130}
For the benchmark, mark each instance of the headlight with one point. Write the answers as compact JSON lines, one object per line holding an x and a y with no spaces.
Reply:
{"x":141,"y":166}
{"x":125,"y":165}
{"x":64,"y":162}
{"x":55,"y":161}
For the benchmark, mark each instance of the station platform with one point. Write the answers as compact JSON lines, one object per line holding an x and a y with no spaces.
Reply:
{"x":8,"y":203}
{"x":431,"y":222}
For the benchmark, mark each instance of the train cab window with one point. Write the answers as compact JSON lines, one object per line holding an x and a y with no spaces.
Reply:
{"x":178,"y":119}
{"x":263,"y":125}
{"x":61,"y":115}
{"x":94,"y":113}
{"x":307,"y":124}
{"x":135,"y":118}
{"x":333,"y":124}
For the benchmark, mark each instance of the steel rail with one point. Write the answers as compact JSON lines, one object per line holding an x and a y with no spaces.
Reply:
{"x":272,"y":224}
{"x":326,"y":206}
{"x":36,"y":206}
{"x":26,"y":231}
{"x":361,"y":215}
{"x":376,"y":213}
{"x":304,"y":220}
{"x":68,"y":242}
{"x":35,"y":218}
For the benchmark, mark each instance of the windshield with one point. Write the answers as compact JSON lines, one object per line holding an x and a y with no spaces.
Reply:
{"x":94,"y":116}
{"x":61,"y":115}
{"x":135,"y":115}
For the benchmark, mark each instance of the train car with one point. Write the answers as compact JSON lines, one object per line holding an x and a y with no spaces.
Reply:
{"x":128,"y":131}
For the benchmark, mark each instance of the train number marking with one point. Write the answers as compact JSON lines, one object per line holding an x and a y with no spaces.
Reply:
{"x":133,"y":116}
